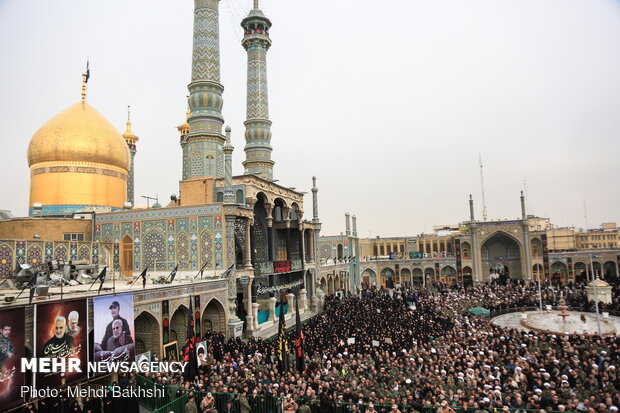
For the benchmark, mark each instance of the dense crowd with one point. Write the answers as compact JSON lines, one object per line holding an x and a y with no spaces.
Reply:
{"x":419,"y":347}
{"x":403,"y":350}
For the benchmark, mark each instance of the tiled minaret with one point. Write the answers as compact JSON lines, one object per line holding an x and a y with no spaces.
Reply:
{"x":202,"y":146}
{"x":256,"y":42}
{"x":229,"y":196}
{"x":131,"y":140}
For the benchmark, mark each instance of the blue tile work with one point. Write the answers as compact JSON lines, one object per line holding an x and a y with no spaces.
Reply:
{"x":165,"y":236}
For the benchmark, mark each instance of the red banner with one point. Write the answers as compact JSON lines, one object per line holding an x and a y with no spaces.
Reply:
{"x":281,"y":266}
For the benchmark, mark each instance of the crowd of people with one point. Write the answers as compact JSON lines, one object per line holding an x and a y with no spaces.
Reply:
{"x":402,"y":350}
{"x":412,"y":348}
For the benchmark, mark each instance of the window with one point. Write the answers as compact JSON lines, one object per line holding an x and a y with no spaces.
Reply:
{"x":74,"y":237}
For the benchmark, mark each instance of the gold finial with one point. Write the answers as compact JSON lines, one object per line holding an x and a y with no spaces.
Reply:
{"x":128,"y":118}
{"x":85,"y":77}
{"x":83,"y":87}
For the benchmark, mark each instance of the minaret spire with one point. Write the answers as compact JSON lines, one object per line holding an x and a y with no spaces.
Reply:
{"x":131,"y":139}
{"x":202,"y":146}
{"x":256,"y":42}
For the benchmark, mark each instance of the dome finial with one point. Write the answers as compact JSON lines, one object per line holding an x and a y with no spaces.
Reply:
{"x":128,"y":118}
{"x":255,"y":4}
{"x":85,"y":77}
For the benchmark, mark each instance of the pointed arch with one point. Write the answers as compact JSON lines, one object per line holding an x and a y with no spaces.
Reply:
{"x":213,"y":317}
{"x":178,"y":325}
{"x":35,"y":254}
{"x":182,"y":255}
{"x":6,"y":259}
{"x":148,"y":335}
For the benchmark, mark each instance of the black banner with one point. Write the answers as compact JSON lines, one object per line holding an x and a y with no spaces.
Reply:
{"x":165,"y":320}
{"x":459,"y":261}
{"x":12,"y":350}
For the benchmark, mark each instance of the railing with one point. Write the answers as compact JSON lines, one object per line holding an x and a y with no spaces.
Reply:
{"x":153,"y":403}
{"x":270,"y":404}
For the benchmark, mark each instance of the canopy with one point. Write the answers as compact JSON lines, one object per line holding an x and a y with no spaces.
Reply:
{"x":479,"y":311}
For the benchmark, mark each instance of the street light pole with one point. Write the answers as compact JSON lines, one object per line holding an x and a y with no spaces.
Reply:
{"x":598,"y":316}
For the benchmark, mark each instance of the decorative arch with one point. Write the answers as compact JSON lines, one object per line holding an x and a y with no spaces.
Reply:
{"x":387,"y":277}
{"x":206,"y":249}
{"x":183,"y":256}
{"x":147,"y":332}
{"x":466,"y":250}
{"x":536,"y":247}
{"x":6,"y":259}
{"x":61,"y":252}
{"x":154,"y":250}
{"x":239,"y":197}
{"x":127,"y":255}
{"x":178,"y":325}
{"x":84,"y":252}
{"x":504,"y":233}
{"x":405,"y":275}
{"x":609,"y":269}
{"x":323,"y":285}
{"x":369,"y":277}
{"x":340,"y":252}
{"x":34,"y":255}
{"x":213,"y":317}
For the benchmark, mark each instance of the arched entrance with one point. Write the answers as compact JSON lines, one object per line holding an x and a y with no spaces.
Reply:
{"x":405,"y":276}
{"x":448,"y":274}
{"x":467,"y":276}
{"x":127,"y":256}
{"x":337,"y":283}
{"x":214,"y":317}
{"x":580,"y":272}
{"x":387,"y":278}
{"x":429,"y":275}
{"x":340,"y":252}
{"x":147,"y":333}
{"x":559,"y":273}
{"x":178,"y":326}
{"x":369,"y":278}
{"x":609,"y":270}
{"x":324,"y":285}
{"x":417,"y":277}
{"x":501,"y":257}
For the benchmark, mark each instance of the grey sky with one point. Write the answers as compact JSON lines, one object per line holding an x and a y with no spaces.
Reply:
{"x":387,"y":103}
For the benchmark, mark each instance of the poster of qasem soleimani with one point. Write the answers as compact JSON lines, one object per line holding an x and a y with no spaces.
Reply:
{"x":12,"y":350}
{"x":113,"y":328}
{"x":61,"y":332}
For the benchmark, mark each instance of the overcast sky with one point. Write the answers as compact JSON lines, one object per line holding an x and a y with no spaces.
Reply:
{"x":387,"y":103}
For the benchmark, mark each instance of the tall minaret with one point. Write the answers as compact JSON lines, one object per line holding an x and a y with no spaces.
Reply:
{"x":229,"y":196}
{"x":202,"y":146}
{"x":131,"y":140}
{"x":256,"y":42}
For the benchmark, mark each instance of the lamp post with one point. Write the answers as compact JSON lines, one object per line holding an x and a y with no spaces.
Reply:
{"x":598,"y":316}
{"x":539,"y":291}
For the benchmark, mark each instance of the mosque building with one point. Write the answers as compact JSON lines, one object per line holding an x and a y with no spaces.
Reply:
{"x":81,"y":203}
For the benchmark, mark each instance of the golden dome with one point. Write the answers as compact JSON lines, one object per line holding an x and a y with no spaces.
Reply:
{"x":79,"y":133}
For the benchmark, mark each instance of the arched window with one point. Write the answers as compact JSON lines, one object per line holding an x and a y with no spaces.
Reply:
{"x":220,"y":197}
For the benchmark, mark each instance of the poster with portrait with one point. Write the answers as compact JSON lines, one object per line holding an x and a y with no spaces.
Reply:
{"x":61,"y":332}
{"x":12,"y":350}
{"x":201,"y":353}
{"x":114,"y":334}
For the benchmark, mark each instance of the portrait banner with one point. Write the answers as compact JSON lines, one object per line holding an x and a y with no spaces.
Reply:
{"x":12,"y":350}
{"x":113,"y":327}
{"x":61,"y":332}
{"x":201,"y":353}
